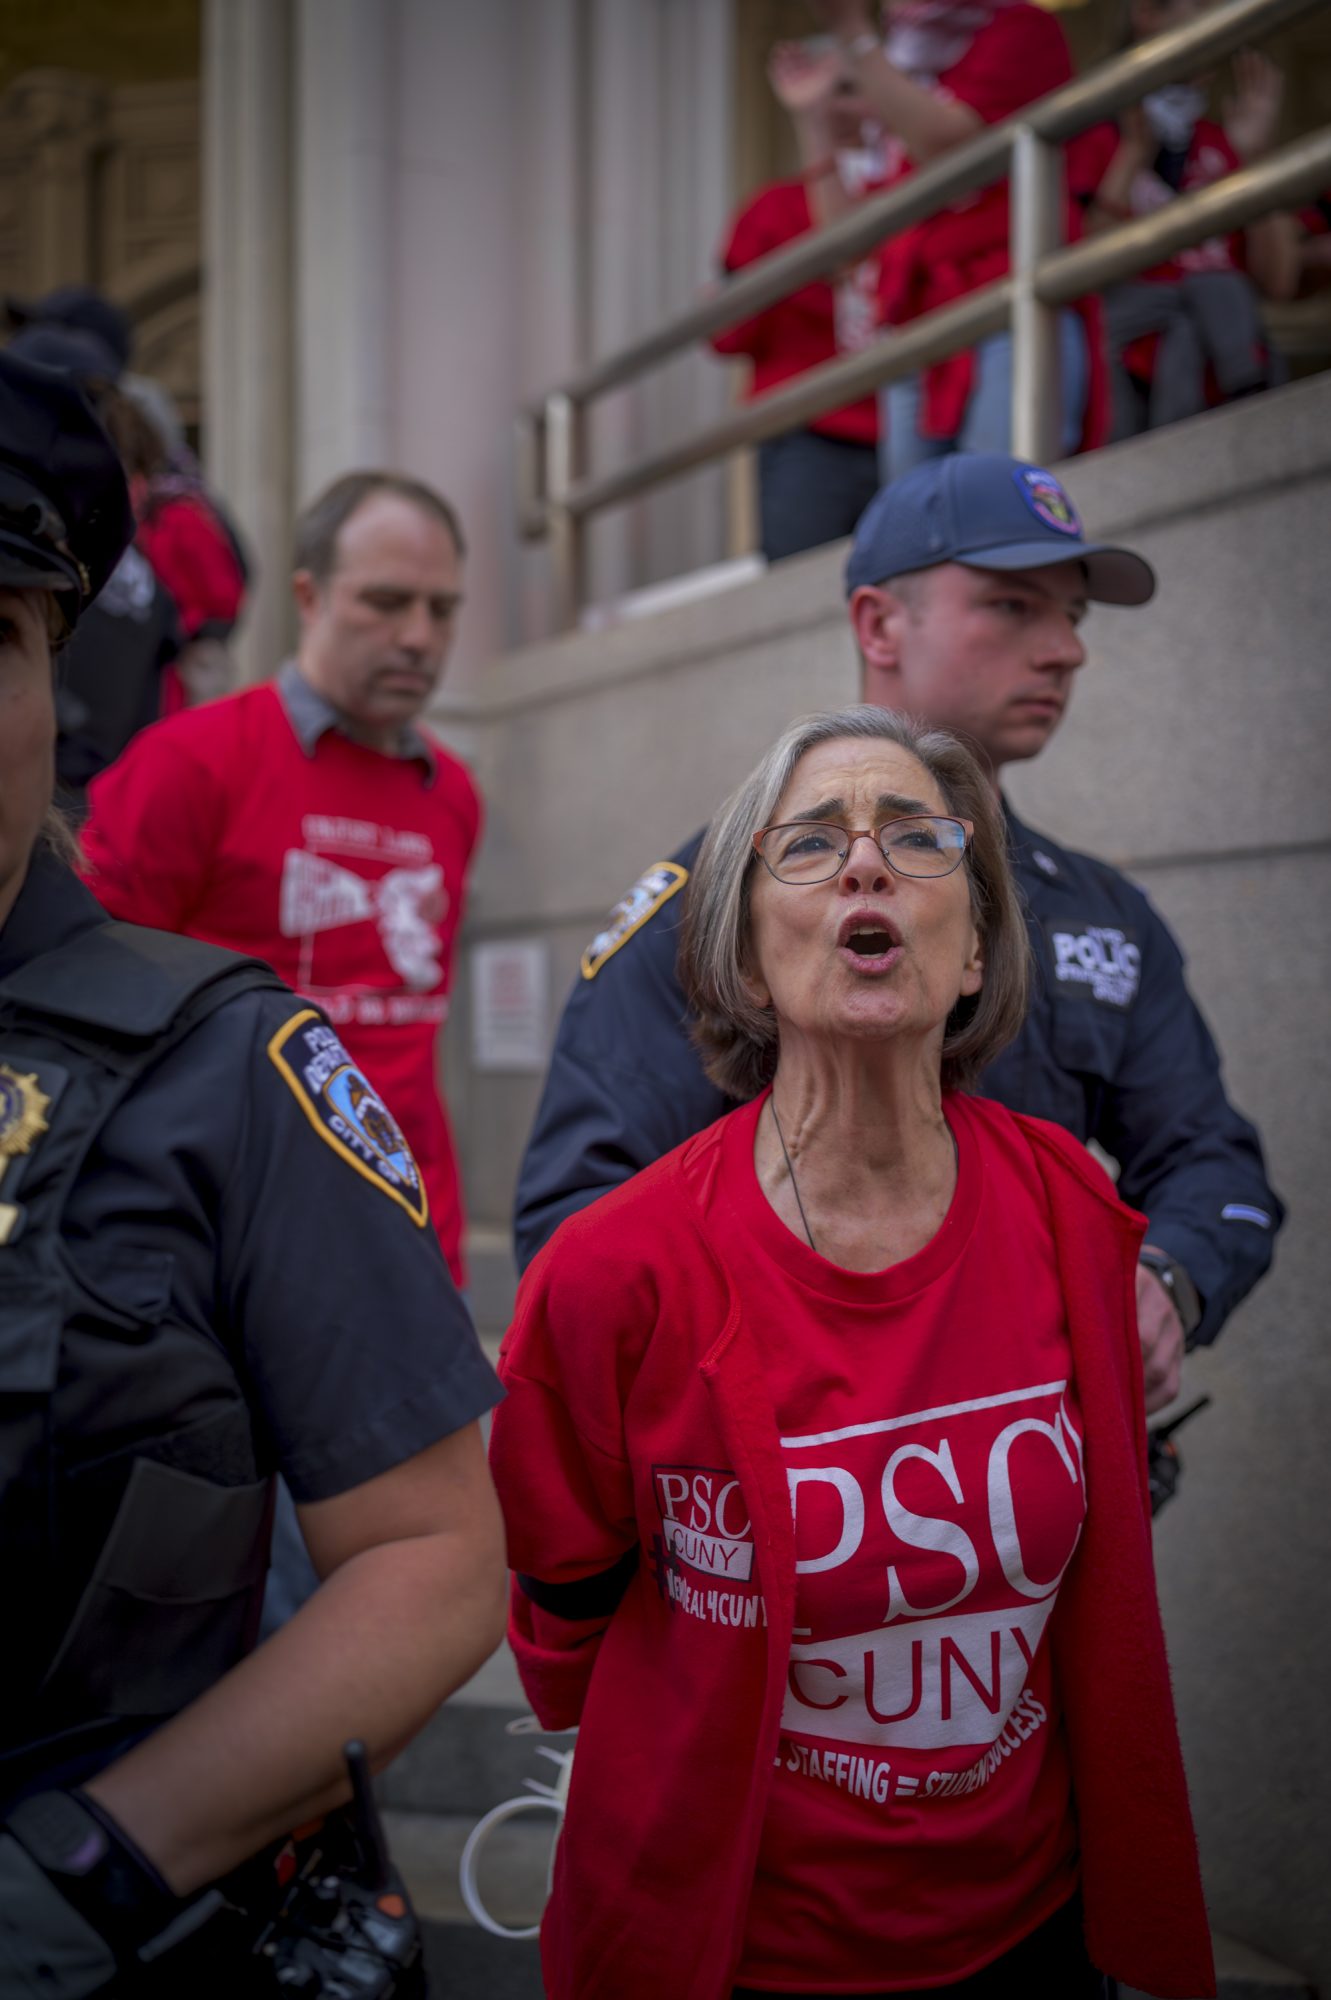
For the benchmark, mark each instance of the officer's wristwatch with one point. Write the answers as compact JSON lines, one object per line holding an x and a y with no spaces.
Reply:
{"x":1183,"y":1293}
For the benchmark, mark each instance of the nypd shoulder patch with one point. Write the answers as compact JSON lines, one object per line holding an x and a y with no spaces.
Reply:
{"x":346,"y":1111}
{"x":662,"y":880}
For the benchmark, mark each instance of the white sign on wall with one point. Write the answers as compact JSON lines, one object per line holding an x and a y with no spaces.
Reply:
{"x":510,"y":998}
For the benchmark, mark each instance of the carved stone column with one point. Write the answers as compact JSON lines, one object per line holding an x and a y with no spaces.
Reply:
{"x":247,"y":201}
{"x":347,"y":200}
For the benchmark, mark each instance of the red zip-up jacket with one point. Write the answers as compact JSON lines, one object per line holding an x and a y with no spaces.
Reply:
{"x":631,"y":1350}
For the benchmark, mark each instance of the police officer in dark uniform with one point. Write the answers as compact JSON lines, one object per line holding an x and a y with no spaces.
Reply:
{"x":215,"y":1265}
{"x":967,"y":581}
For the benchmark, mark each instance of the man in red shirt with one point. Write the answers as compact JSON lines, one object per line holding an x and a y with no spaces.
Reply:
{"x":1189,"y":331}
{"x":311,"y":822}
{"x":814,"y":482}
{"x":934,"y":73}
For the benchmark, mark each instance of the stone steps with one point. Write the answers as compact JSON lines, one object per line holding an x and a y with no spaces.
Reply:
{"x":465,"y":1962}
{"x":1244,"y":1974}
{"x":462,"y":1764}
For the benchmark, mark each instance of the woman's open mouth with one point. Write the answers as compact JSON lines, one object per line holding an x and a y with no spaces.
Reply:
{"x":869,"y":943}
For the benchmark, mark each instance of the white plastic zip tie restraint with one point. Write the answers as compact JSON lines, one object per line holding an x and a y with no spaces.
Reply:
{"x":539,"y":1798}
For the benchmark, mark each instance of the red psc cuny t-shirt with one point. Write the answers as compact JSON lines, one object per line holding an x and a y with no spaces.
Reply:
{"x":344,"y":869}
{"x":920,"y":1820}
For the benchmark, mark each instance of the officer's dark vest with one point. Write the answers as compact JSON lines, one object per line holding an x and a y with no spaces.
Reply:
{"x":132,"y":1560}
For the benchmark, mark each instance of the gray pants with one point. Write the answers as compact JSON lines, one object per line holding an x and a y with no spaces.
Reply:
{"x":1205,"y":317}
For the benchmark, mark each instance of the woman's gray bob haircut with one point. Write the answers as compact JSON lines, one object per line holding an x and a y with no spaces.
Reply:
{"x":737,"y":1037}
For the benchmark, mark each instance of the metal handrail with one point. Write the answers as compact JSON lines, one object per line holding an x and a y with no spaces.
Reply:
{"x":1289,"y":175}
{"x":555,"y":496}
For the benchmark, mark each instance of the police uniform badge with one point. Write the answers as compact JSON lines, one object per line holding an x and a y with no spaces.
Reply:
{"x":346,"y":1111}
{"x":662,"y":880}
{"x":1047,"y":499}
{"x":23,"y":1108}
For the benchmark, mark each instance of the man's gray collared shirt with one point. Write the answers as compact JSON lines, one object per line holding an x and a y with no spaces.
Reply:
{"x":311,"y":716}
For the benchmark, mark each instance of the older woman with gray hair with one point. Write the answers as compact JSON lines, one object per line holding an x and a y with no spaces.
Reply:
{"x":823,"y":1460}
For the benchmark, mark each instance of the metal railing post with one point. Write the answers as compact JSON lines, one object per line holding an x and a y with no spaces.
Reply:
{"x":1036,"y":229}
{"x":528,"y":469}
{"x":563,"y":438}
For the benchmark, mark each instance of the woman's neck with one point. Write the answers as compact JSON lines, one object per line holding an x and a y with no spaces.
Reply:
{"x":855,"y":1151}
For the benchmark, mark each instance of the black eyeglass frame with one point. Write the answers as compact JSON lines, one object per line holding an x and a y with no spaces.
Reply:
{"x":850,"y":834}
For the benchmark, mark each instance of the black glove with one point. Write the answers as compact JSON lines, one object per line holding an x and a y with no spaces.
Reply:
{"x":106,"y":1881}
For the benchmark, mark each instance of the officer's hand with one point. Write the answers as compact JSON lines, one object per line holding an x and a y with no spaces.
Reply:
{"x":1161,"y":1332}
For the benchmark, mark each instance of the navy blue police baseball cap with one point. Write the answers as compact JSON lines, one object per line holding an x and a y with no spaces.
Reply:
{"x":65,"y":517}
{"x":988,"y":511}
{"x":80,"y":354}
{"x":85,"y":310}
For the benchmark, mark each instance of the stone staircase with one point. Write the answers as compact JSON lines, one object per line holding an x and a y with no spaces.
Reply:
{"x":1244,"y":1974}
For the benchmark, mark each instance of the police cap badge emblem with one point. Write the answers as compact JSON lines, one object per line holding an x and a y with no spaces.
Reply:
{"x":23,"y":1109}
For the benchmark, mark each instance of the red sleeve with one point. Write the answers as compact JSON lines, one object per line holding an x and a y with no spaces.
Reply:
{"x":191,"y":553}
{"x":558,"y":1456}
{"x":154,"y":821}
{"x":1018,"y":56}
{"x":770,"y":220}
{"x":472,"y":806}
{"x":1088,"y":158}
{"x":459,"y":788}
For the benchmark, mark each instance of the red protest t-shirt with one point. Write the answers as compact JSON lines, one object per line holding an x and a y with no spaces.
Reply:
{"x":812,"y":325}
{"x":1019,"y":55}
{"x":1211,"y":157}
{"x":341,"y":867}
{"x":189,"y":550}
{"x":920,"y":1821}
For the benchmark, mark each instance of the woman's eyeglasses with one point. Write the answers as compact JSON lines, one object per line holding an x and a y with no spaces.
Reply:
{"x":923,"y":845}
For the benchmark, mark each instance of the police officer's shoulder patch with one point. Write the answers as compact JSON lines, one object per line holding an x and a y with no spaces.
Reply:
{"x":1094,"y":962}
{"x":662,"y":880}
{"x":346,"y":1111}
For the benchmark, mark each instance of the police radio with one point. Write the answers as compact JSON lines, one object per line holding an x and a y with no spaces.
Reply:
{"x":1164,"y":1467}
{"x":345,"y":1928}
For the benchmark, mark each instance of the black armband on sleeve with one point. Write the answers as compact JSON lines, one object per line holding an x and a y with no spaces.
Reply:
{"x":590,"y":1597}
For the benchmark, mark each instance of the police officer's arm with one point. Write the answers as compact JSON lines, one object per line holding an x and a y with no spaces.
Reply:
{"x":1186,"y":1157}
{"x":365,"y":1379}
{"x":625,"y":1084}
{"x":412,"y":1603}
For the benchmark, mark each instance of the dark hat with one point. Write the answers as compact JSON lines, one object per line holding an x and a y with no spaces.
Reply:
{"x":79,"y":353}
{"x":65,"y":517}
{"x":988,"y":511}
{"x":84,"y":309}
